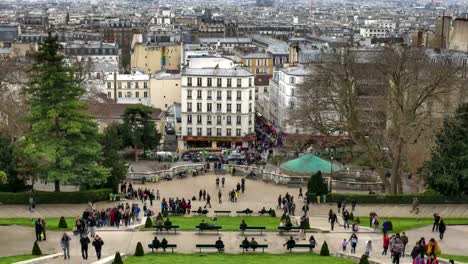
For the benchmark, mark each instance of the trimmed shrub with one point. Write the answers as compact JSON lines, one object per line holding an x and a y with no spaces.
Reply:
{"x":424,"y":198}
{"x":273,"y":213}
{"x":139,"y":252}
{"x":351,"y":216}
{"x":117,"y":258}
{"x":364,"y":260}
{"x":36,"y":250}
{"x":62,"y":223}
{"x":148,"y":223}
{"x":55,"y":197}
{"x":357,"y":220}
{"x":324,"y":251}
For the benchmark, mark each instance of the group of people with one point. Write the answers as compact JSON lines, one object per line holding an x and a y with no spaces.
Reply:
{"x":176,"y":206}
{"x":286,"y":203}
{"x":84,"y":244}
{"x":397,"y":245}
{"x":143,"y":195}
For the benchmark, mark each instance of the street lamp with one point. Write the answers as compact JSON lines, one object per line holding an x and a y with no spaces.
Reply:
{"x":331,"y":173}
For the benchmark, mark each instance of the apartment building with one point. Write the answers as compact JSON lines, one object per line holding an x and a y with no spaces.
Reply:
{"x":218,"y":105}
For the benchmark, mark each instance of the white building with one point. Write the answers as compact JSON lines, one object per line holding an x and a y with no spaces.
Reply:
{"x":218,"y":104}
{"x":128,"y":88}
{"x":282,"y":92}
{"x":379,"y":28}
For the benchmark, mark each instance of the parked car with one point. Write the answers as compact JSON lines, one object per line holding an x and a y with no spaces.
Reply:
{"x":213,"y":158}
{"x":170,"y":130}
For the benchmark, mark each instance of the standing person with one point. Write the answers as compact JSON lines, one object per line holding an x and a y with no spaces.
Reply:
{"x":43,"y":224}
{"x":217,"y":182}
{"x":442,"y":229}
{"x":97,"y":244}
{"x":339,"y":206}
{"x":280,"y":200}
{"x":208,"y":200}
{"x":200,"y":194}
{"x":405,"y":240}
{"x":219,"y":196}
{"x":222,"y":182}
{"x":38,"y":229}
{"x":368,"y":249}
{"x":344,"y":244}
{"x":300,"y":192}
{"x":312,"y":243}
{"x":92,"y":225}
{"x":397,"y":249}
{"x":345,"y":219}
{"x":204,"y":194}
{"x":65,"y":244}
{"x":353,"y":240}
{"x":158,"y":196}
{"x":386,"y":243}
{"x":84,"y":242}
{"x":353,"y":205}
{"x":415,"y":206}
{"x":435,"y":226}
{"x":31,"y":204}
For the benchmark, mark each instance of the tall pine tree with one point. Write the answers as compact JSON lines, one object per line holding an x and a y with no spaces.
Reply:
{"x":447,"y":171}
{"x":63,"y":133}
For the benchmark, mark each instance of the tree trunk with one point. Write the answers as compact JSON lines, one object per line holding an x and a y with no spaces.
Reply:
{"x":135,"y":154}
{"x":394,"y":178}
{"x":57,"y":185}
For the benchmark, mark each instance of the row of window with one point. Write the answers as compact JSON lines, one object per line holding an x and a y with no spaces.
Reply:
{"x":218,"y":95}
{"x":219,"y":82}
{"x":219,"y":132}
{"x":209,"y":107}
{"x":128,"y":94}
{"x":128,"y":86}
{"x":210,"y":119}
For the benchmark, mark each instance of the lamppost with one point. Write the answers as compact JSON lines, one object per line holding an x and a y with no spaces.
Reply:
{"x":331,"y":173}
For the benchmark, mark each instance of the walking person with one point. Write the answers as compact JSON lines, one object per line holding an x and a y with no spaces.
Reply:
{"x":442,"y":229}
{"x":38,"y":229}
{"x":397,"y":249}
{"x":435,"y":226}
{"x":65,"y":244}
{"x":368,"y":249}
{"x":32,"y":205}
{"x":158,"y":196}
{"x":219,"y":196}
{"x":334,"y":219}
{"x":353,"y":240}
{"x":386,"y":244}
{"x":222,"y":182}
{"x":97,"y":244}
{"x":405,"y":240}
{"x":43,"y":224}
{"x":300,"y":192}
{"x":84,"y":242}
{"x":200,"y":194}
{"x":353,"y":205}
{"x":208,"y":200}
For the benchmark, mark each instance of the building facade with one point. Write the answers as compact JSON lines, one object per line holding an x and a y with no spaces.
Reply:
{"x":218,"y":104}
{"x":154,"y":57}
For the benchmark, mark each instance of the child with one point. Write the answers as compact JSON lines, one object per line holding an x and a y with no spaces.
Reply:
{"x":368,"y":248}
{"x":344,"y":244}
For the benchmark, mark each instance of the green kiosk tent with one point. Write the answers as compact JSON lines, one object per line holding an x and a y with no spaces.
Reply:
{"x":309,"y":164}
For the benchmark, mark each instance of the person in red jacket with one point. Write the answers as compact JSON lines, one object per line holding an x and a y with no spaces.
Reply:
{"x":386,"y":243}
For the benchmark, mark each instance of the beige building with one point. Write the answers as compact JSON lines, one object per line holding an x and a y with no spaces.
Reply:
{"x":154,"y":57}
{"x":165,"y":90}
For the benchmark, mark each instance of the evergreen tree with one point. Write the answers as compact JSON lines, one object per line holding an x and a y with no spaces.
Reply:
{"x":316,"y":186}
{"x":364,"y":260}
{"x":62,"y":223}
{"x":139,"y":252}
{"x":36,"y":250}
{"x":324,"y":251}
{"x":138,"y":128}
{"x":111,"y":144}
{"x":61,"y":130}
{"x":148,"y":223}
{"x":117,"y":258}
{"x":447,"y":171}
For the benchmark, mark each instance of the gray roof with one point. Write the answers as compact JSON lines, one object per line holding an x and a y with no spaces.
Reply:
{"x":235,"y":72}
{"x":225,"y":40}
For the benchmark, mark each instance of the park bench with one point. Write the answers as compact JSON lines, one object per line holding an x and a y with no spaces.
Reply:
{"x":309,"y":246}
{"x":244,"y":247}
{"x":208,"y":228}
{"x":247,"y":228}
{"x":217,"y":212}
{"x":199,"y":214}
{"x":267,"y":212}
{"x":283,"y":229}
{"x":171,"y":246}
{"x":167,"y":228}
{"x":244,"y":212}
{"x":200,"y":246}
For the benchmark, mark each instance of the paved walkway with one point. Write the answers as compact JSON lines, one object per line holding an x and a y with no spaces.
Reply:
{"x":258,"y":194}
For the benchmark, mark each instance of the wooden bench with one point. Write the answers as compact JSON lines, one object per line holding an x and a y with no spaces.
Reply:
{"x":209,"y":228}
{"x":244,"y":212}
{"x":222,"y":212}
{"x":283,"y":229}
{"x":261,"y":228}
{"x":200,"y":246}
{"x":167,"y":228}
{"x":301,"y":246}
{"x":171,"y":246}
{"x":244,"y":247}
{"x":199,"y":214}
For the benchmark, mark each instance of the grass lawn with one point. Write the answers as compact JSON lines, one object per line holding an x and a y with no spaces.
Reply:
{"x":456,"y":258}
{"x":401,"y":224}
{"x":235,"y":259}
{"x":227,"y":222}
{"x":51,"y":222}
{"x":13,"y":259}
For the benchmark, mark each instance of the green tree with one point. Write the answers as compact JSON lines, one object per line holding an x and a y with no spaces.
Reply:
{"x":36,"y":250}
{"x":324,"y":251}
{"x":60,"y":129}
{"x":138,"y":129}
{"x":117,"y":258}
{"x":447,"y":171}
{"x":139,"y":252}
{"x":364,"y":260}
{"x":111,"y":144}
{"x":316,"y":184}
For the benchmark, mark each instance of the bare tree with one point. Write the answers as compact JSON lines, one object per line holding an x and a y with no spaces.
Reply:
{"x":384,"y":102}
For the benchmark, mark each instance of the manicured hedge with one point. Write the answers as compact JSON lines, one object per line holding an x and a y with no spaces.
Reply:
{"x":55,"y":197}
{"x":396,"y":199}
